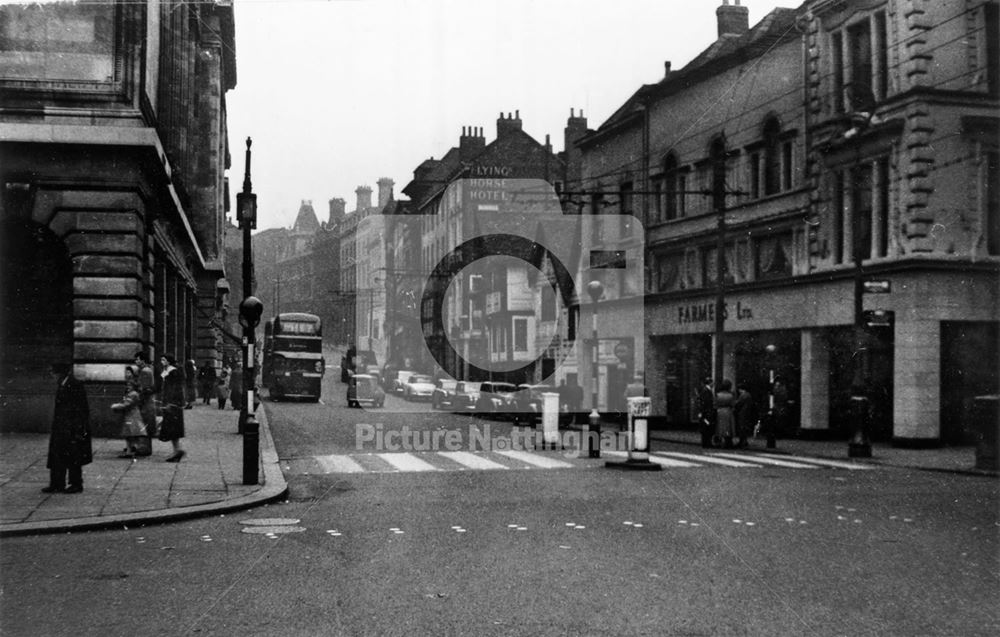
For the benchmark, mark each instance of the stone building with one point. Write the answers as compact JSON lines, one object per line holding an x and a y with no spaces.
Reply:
{"x":892,"y":157}
{"x":113,"y":152}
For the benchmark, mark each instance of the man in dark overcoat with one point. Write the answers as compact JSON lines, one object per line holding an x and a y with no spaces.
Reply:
{"x":69,"y":441}
{"x":706,"y":412}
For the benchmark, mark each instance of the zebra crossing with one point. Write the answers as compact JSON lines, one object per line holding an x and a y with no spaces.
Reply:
{"x":510,"y":459}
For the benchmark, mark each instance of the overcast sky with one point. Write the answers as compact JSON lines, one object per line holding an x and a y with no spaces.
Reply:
{"x":338,"y":93}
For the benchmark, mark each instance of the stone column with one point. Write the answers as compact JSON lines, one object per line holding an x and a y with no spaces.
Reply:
{"x":815,"y":382}
{"x":917,"y":382}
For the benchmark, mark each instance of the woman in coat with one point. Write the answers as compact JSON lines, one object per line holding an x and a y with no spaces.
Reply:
{"x":172,"y":399}
{"x":745,"y":410}
{"x":133,"y":426}
{"x":69,"y":442}
{"x":725,"y":423}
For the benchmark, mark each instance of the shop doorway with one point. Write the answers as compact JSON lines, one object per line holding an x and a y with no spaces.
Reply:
{"x":761,"y":356}
{"x":879,"y":376}
{"x":688,"y":360}
{"x":969,"y":353}
{"x":36,"y":324}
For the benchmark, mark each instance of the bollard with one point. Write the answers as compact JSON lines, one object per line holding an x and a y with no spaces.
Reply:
{"x":638,"y":437}
{"x":549,"y":422}
{"x":593,"y":434}
{"x":860,"y":445}
{"x":251,"y":449}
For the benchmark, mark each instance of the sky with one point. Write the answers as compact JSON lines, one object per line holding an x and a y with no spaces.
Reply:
{"x":339,"y":93}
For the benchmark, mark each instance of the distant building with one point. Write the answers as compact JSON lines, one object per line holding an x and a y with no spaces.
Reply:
{"x":113,"y":153}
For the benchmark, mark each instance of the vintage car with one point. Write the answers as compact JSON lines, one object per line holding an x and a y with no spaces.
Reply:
{"x":496,"y":398}
{"x":444,"y":393}
{"x":396,"y":382}
{"x":363,"y":389}
{"x":466,"y":396}
{"x":418,"y":387}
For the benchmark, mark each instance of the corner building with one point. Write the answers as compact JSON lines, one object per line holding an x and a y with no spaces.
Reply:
{"x":891,"y":156}
{"x":113,"y":155}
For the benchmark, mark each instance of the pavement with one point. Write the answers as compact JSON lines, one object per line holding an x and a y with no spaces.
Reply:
{"x":119,"y":493}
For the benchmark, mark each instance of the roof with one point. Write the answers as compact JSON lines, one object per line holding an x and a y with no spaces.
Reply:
{"x":306,"y":221}
{"x":777,"y":27}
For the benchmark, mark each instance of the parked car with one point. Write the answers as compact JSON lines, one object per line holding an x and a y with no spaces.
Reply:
{"x":363,"y":389}
{"x":496,"y":398}
{"x":466,"y":396}
{"x":418,"y":387}
{"x":399,"y":380}
{"x":444,"y":393}
{"x":527,"y":402}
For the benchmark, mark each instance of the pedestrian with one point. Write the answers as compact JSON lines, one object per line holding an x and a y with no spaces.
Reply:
{"x":190,"y":383}
{"x":133,"y":427}
{"x":781,"y":413}
{"x":69,"y":441}
{"x":236,"y":387}
{"x":206,"y":379}
{"x":725,"y":422}
{"x":706,"y":412}
{"x":172,"y":399}
{"x":146,"y":386}
{"x":745,"y":410}
{"x":222,"y":385}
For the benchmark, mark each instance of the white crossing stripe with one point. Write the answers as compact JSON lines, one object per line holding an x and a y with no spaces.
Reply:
{"x":666,"y":462}
{"x":406,"y":462}
{"x":708,"y":459}
{"x":339,"y":464}
{"x":771,"y":461}
{"x":471,"y":460}
{"x":535,"y":459}
{"x":851,"y":466}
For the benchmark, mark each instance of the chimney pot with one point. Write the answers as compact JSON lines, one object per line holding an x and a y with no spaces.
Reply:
{"x":732,"y":19}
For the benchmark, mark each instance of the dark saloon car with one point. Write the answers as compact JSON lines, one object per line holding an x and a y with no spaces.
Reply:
{"x":363,"y":389}
{"x":496,"y":398}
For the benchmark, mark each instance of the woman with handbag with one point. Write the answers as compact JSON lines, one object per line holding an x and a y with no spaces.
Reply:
{"x":172,"y":399}
{"x":133,"y":426}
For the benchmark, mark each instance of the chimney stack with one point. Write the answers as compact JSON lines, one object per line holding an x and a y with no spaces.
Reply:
{"x":666,"y":69}
{"x":364,"y":194}
{"x":733,"y":19}
{"x":471,"y":142}
{"x":508,"y":124}
{"x":338,"y":207}
{"x":384,"y":191}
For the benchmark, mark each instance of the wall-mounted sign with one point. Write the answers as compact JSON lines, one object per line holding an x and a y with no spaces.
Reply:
{"x":704,"y":312}
{"x":878,"y":287}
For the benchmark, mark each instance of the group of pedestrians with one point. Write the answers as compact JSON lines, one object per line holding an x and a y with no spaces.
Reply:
{"x":725,"y":414}
{"x":226,"y":385}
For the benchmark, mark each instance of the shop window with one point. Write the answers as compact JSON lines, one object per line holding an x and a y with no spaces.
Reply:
{"x":710,"y":265}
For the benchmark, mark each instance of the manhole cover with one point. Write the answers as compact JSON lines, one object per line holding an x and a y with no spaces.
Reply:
{"x":270,"y":521}
{"x":274,"y":530}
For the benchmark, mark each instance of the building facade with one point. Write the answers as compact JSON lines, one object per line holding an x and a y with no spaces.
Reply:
{"x":112,"y":160}
{"x":884,"y":173}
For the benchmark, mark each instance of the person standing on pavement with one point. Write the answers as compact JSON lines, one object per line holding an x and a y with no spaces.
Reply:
{"x":172,"y":399}
{"x":190,"y":383}
{"x":206,"y":379}
{"x":222,"y":385}
{"x":133,"y":426}
{"x":706,"y":412}
{"x":574,"y":398}
{"x":725,"y":422}
{"x":146,"y":385}
{"x":69,"y":442}
{"x":236,"y":386}
{"x":745,"y":410}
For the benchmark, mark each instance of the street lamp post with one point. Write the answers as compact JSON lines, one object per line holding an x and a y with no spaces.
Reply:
{"x":860,"y":445}
{"x":595,"y":289}
{"x":250,"y":312}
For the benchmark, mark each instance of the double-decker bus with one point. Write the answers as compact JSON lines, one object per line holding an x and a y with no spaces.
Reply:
{"x":293,"y":363}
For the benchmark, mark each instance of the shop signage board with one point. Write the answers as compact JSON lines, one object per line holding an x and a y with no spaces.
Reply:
{"x":883,"y":286}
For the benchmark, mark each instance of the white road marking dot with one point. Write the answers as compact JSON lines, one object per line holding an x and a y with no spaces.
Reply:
{"x":637,"y":525}
{"x":802,"y":522}
{"x":907,"y":520}
{"x":751,"y":523}
{"x":511,"y":526}
{"x":578,"y":527}
{"x":571,"y":524}
{"x":789,"y":519}
{"x":522,"y":528}
{"x":695,"y":524}
{"x":682,"y":521}
{"x":627,"y":522}
{"x":857,"y":521}
{"x":459,"y":530}
{"x":840,"y":517}
{"x":738,"y":521}
{"x":563,"y":546}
